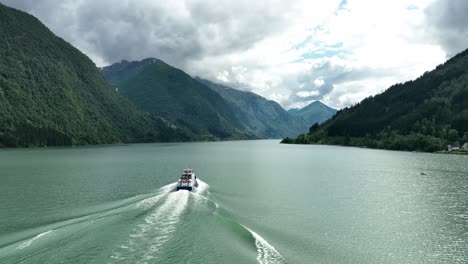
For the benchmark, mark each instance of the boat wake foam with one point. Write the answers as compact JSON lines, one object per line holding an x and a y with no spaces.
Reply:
{"x":28,"y":243}
{"x":151,"y":201}
{"x":202,"y":187}
{"x":266,"y":253}
{"x":149,"y":237}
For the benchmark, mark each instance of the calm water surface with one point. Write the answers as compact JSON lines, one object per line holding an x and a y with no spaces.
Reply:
{"x":258,"y":202}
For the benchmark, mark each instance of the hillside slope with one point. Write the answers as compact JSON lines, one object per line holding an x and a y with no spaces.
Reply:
{"x":125,"y":70}
{"x":315,"y":112}
{"x":52,"y":94}
{"x":264,"y":118}
{"x":425,"y":114}
{"x":159,"y":88}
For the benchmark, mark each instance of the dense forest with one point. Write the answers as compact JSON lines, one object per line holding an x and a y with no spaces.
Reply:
{"x":52,"y":94}
{"x":124,"y":70}
{"x":426,"y":114}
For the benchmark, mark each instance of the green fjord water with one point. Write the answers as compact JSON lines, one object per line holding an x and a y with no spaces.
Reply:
{"x":258,"y":202}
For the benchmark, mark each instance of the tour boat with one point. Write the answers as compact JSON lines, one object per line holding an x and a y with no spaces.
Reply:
{"x":188,"y":180}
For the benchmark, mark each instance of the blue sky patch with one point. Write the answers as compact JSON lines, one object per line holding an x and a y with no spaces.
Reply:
{"x":325,"y":52}
{"x":342,"y":4}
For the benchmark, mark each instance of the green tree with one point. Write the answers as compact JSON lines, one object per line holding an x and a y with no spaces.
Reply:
{"x":452,"y":135}
{"x":313,"y":128}
{"x":465,"y":137}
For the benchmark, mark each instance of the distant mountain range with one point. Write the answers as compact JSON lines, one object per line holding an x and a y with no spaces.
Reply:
{"x":425,"y":114}
{"x":208,"y":109}
{"x":262,"y":117}
{"x":52,"y":94}
{"x":161,"y":89}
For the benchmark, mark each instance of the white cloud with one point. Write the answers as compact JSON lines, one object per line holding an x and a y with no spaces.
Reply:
{"x":319,"y":82}
{"x":358,"y":50}
{"x":307,"y":93}
{"x":293,"y":52}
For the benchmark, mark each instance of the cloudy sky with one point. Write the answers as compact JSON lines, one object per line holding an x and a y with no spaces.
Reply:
{"x":294,"y":51}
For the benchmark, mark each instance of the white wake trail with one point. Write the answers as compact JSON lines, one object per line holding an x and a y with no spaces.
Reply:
{"x":202,"y":187}
{"x":28,"y":242}
{"x":201,"y":195}
{"x":266,"y":253}
{"x":149,"y":237}
{"x":151,"y":201}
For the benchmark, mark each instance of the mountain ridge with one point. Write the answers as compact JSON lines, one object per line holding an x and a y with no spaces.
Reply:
{"x":265,"y":118}
{"x":125,"y":69}
{"x":156,"y":87}
{"x":315,"y":112}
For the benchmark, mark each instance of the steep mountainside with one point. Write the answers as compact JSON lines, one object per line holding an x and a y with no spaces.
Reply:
{"x":52,"y":94}
{"x":316,"y":112}
{"x":425,"y":114}
{"x":159,"y":88}
{"x":124,"y":70}
{"x":265,"y":118}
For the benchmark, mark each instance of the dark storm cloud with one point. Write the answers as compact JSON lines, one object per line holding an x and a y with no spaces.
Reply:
{"x":448,"y":20}
{"x":174,"y":31}
{"x":117,"y":30}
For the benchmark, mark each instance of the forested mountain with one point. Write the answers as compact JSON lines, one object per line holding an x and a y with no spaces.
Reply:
{"x":315,"y":112}
{"x":159,"y":88}
{"x":124,"y":69}
{"x":52,"y":94}
{"x":425,"y":114}
{"x":264,"y":118}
